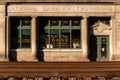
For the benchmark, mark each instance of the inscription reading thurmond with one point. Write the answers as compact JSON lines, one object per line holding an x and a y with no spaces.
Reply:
{"x":60,"y":8}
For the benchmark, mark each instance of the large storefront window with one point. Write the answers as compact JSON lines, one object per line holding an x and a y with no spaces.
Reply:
{"x":20,"y":33}
{"x":59,"y":32}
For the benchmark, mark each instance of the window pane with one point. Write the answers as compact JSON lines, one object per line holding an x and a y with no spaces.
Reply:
{"x":54,"y":22}
{"x":76,"y":39}
{"x":20,"y":33}
{"x":26,"y":22}
{"x":60,"y":32}
{"x":25,"y":38}
{"x":65,"y":38}
{"x":54,"y":38}
{"x":26,"y":32}
{"x":76,"y":23}
{"x":65,"y":22}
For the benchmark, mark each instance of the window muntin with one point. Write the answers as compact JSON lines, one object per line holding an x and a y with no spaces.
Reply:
{"x":60,"y":32}
{"x":20,"y":33}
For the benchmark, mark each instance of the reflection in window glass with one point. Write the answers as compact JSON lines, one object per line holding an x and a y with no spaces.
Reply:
{"x":54,"y":22}
{"x":76,"y":38}
{"x":54,"y":38}
{"x":103,"y":48}
{"x":20,"y":35}
{"x":65,"y":38}
{"x":25,"y":38}
{"x":25,"y":22}
{"x":75,"y":23}
{"x":60,"y":32}
{"x":65,"y":22}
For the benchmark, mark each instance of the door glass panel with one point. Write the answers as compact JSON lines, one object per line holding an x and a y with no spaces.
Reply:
{"x":103,"y":48}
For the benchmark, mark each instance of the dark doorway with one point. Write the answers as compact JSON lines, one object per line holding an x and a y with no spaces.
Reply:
{"x":93,"y":48}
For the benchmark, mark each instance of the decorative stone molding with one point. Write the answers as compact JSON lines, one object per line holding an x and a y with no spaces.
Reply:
{"x":101,"y":1}
{"x":100,"y":28}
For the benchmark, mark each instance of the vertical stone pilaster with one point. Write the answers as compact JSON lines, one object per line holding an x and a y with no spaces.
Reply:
{"x":7,"y":37}
{"x":33,"y":37}
{"x":112,"y":38}
{"x":2,"y":32}
{"x":85,"y":38}
{"x":116,"y":55}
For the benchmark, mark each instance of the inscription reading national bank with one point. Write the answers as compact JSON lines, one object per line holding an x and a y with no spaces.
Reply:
{"x":59,"y":8}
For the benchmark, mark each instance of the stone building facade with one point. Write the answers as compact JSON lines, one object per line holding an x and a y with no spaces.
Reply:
{"x":59,"y":30}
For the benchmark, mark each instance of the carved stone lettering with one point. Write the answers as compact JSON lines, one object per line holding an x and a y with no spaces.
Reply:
{"x":60,"y":8}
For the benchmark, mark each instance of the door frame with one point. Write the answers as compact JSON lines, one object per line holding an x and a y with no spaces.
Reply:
{"x":96,"y":55}
{"x":100,"y":49}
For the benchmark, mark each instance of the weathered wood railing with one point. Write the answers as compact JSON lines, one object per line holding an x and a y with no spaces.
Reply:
{"x":55,"y":70}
